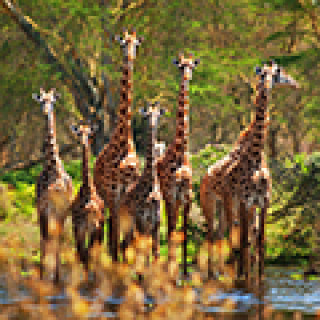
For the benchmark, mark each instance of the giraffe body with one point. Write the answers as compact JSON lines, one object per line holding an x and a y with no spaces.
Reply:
{"x":242,"y":176}
{"x":117,"y":166}
{"x":87,"y":208}
{"x":53,"y":191}
{"x":174,"y":169}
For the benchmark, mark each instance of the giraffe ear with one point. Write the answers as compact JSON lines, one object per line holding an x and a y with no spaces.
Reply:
{"x":175,"y":61}
{"x":143,"y":112}
{"x":140,"y":40}
{"x":94,"y":128}
{"x":36,"y":97}
{"x":120,"y":40}
{"x":57,"y":95}
{"x":258,"y":70}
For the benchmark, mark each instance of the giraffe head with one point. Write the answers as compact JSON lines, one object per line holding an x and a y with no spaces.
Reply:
{"x":186,"y":65}
{"x":152,"y":114}
{"x":129,"y":43}
{"x":84,"y":132}
{"x":273,"y":75}
{"x":47,"y":100}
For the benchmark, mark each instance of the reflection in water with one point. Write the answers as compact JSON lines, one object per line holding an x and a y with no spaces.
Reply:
{"x":283,"y":298}
{"x":286,"y":293}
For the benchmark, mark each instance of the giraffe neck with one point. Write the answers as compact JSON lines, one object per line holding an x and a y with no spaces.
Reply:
{"x":124,"y":113}
{"x":182,"y":131}
{"x":51,"y":147}
{"x":261,"y":115}
{"x":150,"y":171}
{"x":261,"y":100}
{"x":86,"y":176}
{"x":251,"y":142}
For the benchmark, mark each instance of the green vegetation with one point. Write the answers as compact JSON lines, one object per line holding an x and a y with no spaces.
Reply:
{"x":68,"y":44}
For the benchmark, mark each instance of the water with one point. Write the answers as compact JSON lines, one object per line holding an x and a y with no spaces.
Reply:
{"x":283,"y":293}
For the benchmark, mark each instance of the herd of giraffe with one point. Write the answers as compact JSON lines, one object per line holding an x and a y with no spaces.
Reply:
{"x":240,"y":181}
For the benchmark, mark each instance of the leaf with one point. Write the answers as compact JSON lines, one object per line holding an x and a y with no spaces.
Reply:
{"x":276,"y":36}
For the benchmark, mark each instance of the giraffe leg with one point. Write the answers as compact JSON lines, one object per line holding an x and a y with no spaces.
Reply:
{"x":261,"y":237}
{"x":58,"y":240}
{"x":254,"y":232}
{"x":244,"y":243}
{"x":186,"y":210}
{"x":80,"y":243}
{"x":228,"y":215}
{"x":125,"y":243}
{"x":113,"y":236}
{"x":43,"y":242}
{"x":208,"y":204}
{"x":52,"y":246}
{"x":169,"y":213}
{"x":174,"y":219}
{"x":172,"y":210}
{"x":85,"y":249}
{"x":110,"y":231}
{"x":251,"y":220}
{"x":210,"y":246}
{"x":156,"y":234}
{"x":100,"y":235}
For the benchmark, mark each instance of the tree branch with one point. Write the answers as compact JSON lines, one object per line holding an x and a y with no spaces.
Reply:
{"x":31,"y":163}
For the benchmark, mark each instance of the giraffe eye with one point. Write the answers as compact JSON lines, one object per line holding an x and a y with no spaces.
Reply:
{"x":74,"y":129}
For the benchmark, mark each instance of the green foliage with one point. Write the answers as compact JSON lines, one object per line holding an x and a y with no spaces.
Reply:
{"x":21,"y":199}
{"x":295,"y":201}
{"x":6,"y":204}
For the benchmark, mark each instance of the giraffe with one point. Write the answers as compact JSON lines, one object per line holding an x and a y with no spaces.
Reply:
{"x":141,"y":205}
{"x":53,"y":190}
{"x":117,"y":165}
{"x":241,"y":179}
{"x":88,"y":208}
{"x":174,"y":169}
